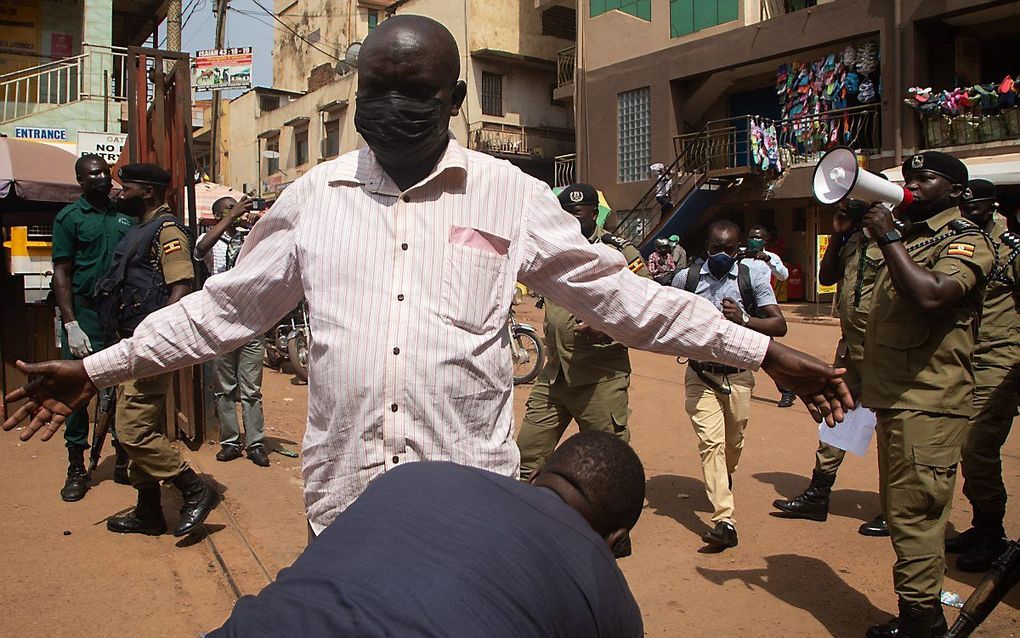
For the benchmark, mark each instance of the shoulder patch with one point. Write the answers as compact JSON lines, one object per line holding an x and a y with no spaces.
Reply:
{"x":960,"y":249}
{"x":636,"y":265}
{"x":172,"y":246}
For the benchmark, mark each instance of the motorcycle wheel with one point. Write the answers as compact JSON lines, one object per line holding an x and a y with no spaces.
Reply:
{"x":532,"y":358}
{"x":297,"y":348}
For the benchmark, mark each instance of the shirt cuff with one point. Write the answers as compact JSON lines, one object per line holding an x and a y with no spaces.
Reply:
{"x":108,"y":367}
{"x":745,"y":348}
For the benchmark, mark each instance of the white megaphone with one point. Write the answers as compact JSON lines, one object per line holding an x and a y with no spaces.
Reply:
{"x":838,"y":176}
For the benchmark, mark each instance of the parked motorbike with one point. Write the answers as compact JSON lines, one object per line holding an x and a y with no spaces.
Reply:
{"x":526,"y":348}
{"x":289,"y":341}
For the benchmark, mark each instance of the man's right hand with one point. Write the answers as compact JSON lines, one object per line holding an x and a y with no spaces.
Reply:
{"x":77,"y":341}
{"x":54,"y":391}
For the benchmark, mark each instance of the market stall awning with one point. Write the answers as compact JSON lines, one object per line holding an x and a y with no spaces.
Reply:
{"x":1001,"y":170}
{"x":37,"y":172}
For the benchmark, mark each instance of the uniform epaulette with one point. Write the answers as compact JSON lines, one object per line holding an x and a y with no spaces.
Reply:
{"x":614,"y":241}
{"x":960,"y":225}
{"x":1010,"y":239}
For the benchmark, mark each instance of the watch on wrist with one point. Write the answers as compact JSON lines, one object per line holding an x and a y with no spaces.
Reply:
{"x":890,"y":237}
{"x":744,"y":317}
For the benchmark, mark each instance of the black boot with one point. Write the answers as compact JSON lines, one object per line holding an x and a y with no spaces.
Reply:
{"x":913,"y":622}
{"x":146,"y":518}
{"x":875,"y":527}
{"x":986,"y":543}
{"x":199,"y":499}
{"x":120,"y":471}
{"x":77,"y":482}
{"x":813,"y":504}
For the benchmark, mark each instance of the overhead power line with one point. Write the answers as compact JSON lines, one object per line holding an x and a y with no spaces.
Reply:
{"x":293,"y":31}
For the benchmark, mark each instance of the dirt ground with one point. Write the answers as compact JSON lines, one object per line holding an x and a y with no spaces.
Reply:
{"x":63,"y":574}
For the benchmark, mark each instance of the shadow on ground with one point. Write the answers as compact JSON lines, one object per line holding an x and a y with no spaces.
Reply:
{"x":679,"y":498}
{"x":857,"y":504}
{"x":810,"y":584}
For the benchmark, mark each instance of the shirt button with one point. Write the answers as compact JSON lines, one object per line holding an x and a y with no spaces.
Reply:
{"x":393,"y":408}
{"x":396,"y":459}
{"x":396,"y":351}
{"x":403,"y":246}
{"x":400,"y":297}
{"x":406,"y":198}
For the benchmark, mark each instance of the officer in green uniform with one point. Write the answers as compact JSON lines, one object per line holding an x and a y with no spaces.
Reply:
{"x":152,"y":268}
{"x":996,"y":388}
{"x":85,"y":234}
{"x":846,"y":262}
{"x":587,"y":374}
{"x":918,"y":375}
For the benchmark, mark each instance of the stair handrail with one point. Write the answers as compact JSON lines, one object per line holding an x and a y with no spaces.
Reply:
{"x":39,"y":69}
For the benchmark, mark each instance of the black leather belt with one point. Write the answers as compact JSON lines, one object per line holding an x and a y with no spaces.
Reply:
{"x":716,"y":368}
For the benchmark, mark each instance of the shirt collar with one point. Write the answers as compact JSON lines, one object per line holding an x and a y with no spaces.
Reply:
{"x":363,"y":169}
{"x":938,"y":221}
{"x":153,"y":214}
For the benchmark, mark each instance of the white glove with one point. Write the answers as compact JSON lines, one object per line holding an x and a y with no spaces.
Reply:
{"x":77,"y":340}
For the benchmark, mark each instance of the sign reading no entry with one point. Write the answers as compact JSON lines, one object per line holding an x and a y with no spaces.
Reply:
{"x":106,"y":145}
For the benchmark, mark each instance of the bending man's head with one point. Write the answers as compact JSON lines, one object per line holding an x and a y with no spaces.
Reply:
{"x":601,"y":477}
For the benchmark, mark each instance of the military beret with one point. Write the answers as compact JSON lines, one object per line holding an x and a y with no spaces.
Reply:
{"x":979,"y":190}
{"x":576,"y":194}
{"x":144,"y":174}
{"x":942,"y":164}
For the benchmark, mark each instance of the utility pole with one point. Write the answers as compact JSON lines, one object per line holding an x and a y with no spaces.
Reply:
{"x":173,"y":26}
{"x":221,"y":29}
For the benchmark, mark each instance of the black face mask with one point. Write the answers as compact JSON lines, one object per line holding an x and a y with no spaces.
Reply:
{"x":133,"y":207}
{"x":399,"y":128}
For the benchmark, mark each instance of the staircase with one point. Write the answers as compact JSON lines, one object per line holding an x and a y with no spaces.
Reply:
{"x":98,"y":73}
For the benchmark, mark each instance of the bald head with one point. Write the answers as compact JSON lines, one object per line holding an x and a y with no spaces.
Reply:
{"x":404,"y":39}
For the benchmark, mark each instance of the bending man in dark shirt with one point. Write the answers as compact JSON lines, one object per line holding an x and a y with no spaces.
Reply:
{"x":438,"y":549}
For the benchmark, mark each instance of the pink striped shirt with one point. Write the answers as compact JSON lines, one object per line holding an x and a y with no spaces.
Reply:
{"x":409,"y":294}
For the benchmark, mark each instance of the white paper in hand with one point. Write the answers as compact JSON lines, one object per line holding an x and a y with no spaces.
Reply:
{"x":853,"y":434}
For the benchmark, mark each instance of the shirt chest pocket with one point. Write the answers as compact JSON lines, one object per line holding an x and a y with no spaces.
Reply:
{"x":473,"y":281}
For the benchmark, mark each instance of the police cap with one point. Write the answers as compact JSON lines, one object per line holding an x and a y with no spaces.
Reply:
{"x":144,"y":174}
{"x":939,"y":163}
{"x":979,"y":190}
{"x":579,"y":194}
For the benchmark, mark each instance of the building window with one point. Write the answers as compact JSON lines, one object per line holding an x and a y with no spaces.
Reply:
{"x":272,"y":155}
{"x":688,"y":16}
{"x":373,"y":19}
{"x":301,"y":147}
{"x":560,"y":22}
{"x":637,"y":8}
{"x":492,"y":94}
{"x":269,"y":103}
{"x":634,"y":114}
{"x":331,"y":139}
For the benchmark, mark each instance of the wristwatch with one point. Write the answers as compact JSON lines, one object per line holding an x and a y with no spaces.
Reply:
{"x":744,"y":317}
{"x":890,"y":237}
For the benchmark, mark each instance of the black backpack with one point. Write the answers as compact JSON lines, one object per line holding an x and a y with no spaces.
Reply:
{"x":747,"y":298}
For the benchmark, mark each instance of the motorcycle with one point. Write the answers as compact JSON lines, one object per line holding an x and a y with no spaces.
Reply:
{"x":289,"y":341}
{"x":526,"y":348}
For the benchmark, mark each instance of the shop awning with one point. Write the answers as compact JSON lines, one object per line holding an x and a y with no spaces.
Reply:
{"x":998,"y":169}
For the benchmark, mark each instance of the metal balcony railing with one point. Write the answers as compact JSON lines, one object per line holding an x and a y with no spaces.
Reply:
{"x":98,"y":73}
{"x":775,"y":8}
{"x":507,"y":139}
{"x":564,"y":170}
{"x":566,"y":61}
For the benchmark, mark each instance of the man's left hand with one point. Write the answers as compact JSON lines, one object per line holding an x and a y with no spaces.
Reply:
{"x":732,"y":311}
{"x":819,"y":386}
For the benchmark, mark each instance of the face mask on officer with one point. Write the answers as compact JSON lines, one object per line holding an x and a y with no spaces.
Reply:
{"x":131,"y":200}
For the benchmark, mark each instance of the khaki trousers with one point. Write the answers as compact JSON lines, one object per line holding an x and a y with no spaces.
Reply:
{"x":719,"y":421}
{"x":917,"y":457}
{"x":141,"y":411}
{"x":601,"y":407}
{"x":995,"y":405}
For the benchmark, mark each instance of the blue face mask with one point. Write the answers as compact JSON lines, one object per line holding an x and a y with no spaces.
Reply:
{"x":719,"y":264}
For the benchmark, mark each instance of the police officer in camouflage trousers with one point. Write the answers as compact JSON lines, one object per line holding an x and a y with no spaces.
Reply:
{"x":996,"y":388}
{"x":844,"y":262}
{"x":587,"y":375}
{"x":918,"y":375}
{"x":152,"y":268}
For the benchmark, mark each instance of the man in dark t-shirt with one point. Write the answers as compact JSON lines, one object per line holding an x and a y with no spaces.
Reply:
{"x":438,"y":549}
